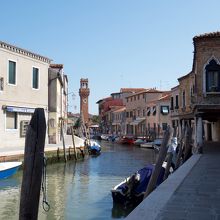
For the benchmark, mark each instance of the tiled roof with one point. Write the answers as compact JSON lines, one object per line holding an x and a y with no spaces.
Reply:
{"x":165,"y":97}
{"x":104,"y":99}
{"x":207,"y":35}
{"x":59,"y":66}
{"x":131,"y":89}
{"x":120,"y":109}
{"x":146,"y":91}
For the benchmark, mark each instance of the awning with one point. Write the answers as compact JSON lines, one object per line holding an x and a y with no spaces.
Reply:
{"x":137,"y":121}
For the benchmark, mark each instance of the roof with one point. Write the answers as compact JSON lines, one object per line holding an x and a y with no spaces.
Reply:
{"x":185,"y":76}
{"x":24,"y":52}
{"x":207,"y":35}
{"x":175,"y":87}
{"x":145,"y":91}
{"x":104,"y":99}
{"x":56,"y":66}
{"x":131,"y":89}
{"x":165,"y":97}
{"x":120,"y":109}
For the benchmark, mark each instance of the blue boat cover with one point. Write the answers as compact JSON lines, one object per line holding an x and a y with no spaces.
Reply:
{"x":141,"y":185}
{"x":95,"y":147}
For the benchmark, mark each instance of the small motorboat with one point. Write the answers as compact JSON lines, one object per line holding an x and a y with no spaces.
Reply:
{"x":132,"y":189}
{"x":139,"y":141}
{"x":7,"y":169}
{"x":147,"y":145}
{"x":94,"y":148}
{"x":127,"y":140}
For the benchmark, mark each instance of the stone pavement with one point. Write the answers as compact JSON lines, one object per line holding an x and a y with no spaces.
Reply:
{"x":48,"y":147}
{"x":197,"y":197}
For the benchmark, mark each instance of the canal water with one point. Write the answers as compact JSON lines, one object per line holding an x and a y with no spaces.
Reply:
{"x":81,"y":190}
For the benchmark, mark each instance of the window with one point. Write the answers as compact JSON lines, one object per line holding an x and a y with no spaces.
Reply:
{"x":212,"y":77}
{"x":177,"y":102}
{"x":154,"y":110}
{"x":148,"y":111}
{"x":171,"y":103}
{"x":1,"y":83}
{"x":184,"y":100}
{"x":165,"y":110}
{"x":12,"y":73}
{"x":164,"y":126}
{"x":11,"y":120}
{"x":35,"y":78}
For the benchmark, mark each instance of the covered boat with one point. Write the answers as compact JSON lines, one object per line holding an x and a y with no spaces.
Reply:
{"x":132,"y":189}
{"x":94,"y":148}
{"x":7,"y":169}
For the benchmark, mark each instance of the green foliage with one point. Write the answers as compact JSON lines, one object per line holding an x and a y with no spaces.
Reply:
{"x":95,"y":119}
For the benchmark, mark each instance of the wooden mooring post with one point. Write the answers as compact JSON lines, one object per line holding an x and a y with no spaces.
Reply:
{"x":74,"y":146}
{"x":170,"y":155}
{"x":64,"y":148}
{"x":33,"y":166}
{"x":162,"y":154}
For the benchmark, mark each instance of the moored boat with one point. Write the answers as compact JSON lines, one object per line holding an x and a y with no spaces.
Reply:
{"x":126,"y":140}
{"x":147,"y":145}
{"x":133,"y":188}
{"x":94,"y":148}
{"x":139,"y":141}
{"x":7,"y":169}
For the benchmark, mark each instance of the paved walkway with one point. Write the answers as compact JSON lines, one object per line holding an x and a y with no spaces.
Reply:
{"x":197,"y":197}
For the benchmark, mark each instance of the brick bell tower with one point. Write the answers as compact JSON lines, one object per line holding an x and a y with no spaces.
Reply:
{"x":84,"y":101}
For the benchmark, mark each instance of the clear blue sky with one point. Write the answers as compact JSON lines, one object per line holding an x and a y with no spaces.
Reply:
{"x":113,"y":43}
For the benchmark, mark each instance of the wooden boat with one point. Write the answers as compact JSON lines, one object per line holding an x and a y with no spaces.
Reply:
{"x":7,"y":169}
{"x":132,"y":189}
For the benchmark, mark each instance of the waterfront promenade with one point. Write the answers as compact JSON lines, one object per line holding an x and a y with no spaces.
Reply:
{"x":191,"y":193}
{"x":13,"y":151}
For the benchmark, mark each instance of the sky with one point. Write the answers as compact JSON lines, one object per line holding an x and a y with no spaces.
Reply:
{"x":114,"y":43}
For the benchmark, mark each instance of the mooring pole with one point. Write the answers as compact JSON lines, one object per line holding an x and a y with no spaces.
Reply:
{"x":74,"y":146}
{"x":64,"y":148}
{"x":162,"y":154}
{"x":33,"y":166}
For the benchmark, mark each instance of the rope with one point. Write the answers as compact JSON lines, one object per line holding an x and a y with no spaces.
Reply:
{"x":45,"y":203}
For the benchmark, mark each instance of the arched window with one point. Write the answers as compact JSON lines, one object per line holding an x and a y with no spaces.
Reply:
{"x":212,"y":75}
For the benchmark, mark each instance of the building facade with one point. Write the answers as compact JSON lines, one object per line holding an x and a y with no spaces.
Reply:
{"x":23,"y":87}
{"x":158,"y":116}
{"x":57,"y":102}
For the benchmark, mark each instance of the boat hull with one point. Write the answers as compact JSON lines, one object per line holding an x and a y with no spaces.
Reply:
{"x":133,"y":188}
{"x":8,"y":169}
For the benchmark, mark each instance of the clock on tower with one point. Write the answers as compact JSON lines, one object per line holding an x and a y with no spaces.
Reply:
{"x":84,"y":94}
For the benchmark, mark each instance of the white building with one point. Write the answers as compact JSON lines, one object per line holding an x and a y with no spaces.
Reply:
{"x":23,"y":87}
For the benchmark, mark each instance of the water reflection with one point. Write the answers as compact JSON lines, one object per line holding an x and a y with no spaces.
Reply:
{"x":81,"y":190}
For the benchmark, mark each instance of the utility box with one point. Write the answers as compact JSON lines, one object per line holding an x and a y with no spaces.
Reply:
{"x":24,"y":127}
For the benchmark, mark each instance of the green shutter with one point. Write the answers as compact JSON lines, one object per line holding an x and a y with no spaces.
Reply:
{"x":35,"y":78}
{"x":12,"y":73}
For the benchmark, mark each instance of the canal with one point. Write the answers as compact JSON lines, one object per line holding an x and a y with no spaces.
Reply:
{"x":81,"y":190}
